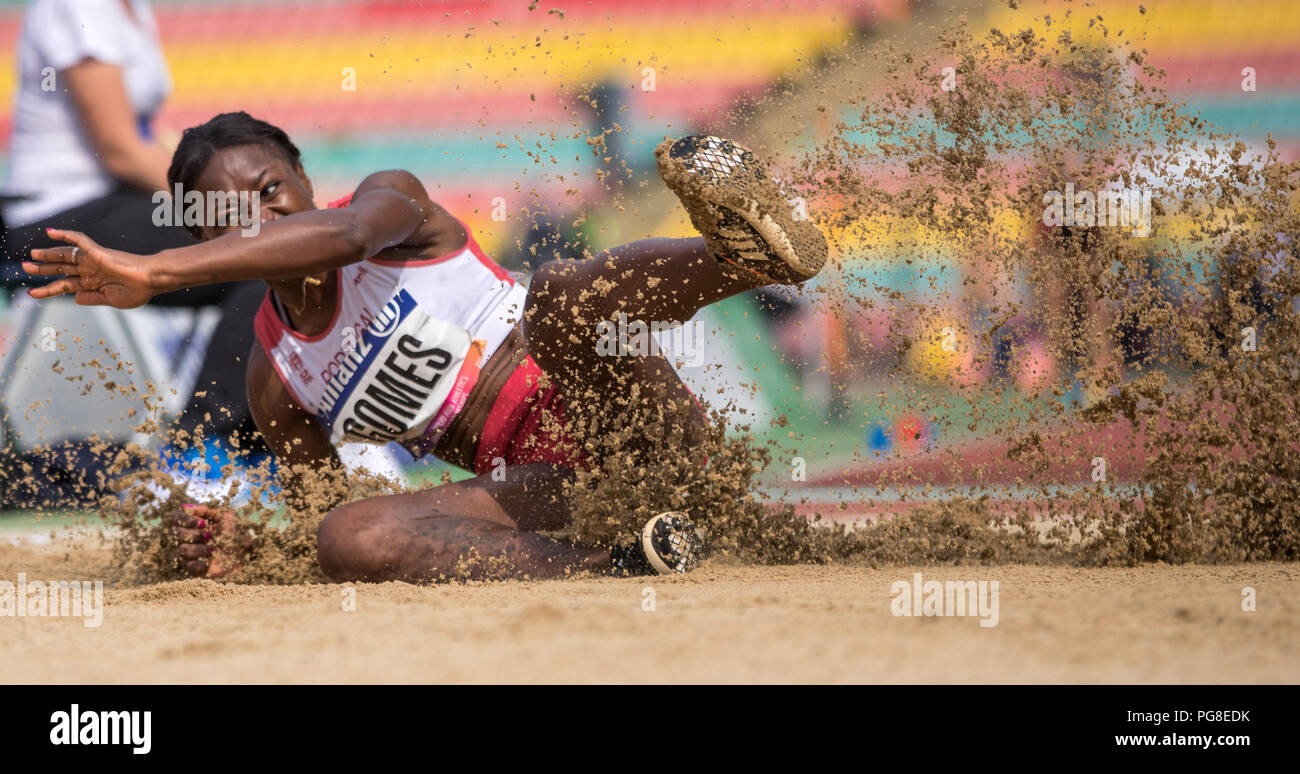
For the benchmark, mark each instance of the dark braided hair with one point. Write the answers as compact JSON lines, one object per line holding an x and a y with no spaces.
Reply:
{"x":199,"y":143}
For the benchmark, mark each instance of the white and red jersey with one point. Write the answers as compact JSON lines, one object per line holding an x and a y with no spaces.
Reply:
{"x":404,"y":348}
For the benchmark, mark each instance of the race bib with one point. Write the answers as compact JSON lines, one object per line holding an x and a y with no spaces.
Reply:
{"x":397,"y":377}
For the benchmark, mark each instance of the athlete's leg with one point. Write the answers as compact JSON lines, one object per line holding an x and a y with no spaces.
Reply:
{"x":474,"y":529}
{"x":749,"y":239}
{"x":654,"y":280}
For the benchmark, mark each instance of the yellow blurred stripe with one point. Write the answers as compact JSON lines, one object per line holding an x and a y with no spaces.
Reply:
{"x":307,"y":67}
{"x":1198,"y":27}
{"x":404,"y":63}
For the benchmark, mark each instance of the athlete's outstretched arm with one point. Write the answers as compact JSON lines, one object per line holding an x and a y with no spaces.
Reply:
{"x":387,"y":210}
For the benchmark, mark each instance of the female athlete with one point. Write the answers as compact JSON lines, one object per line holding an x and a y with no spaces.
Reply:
{"x":384,"y":321}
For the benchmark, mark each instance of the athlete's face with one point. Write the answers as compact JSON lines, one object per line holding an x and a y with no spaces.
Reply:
{"x":282,"y":188}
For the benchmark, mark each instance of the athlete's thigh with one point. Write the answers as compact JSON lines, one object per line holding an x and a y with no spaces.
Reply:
{"x":606,"y":394}
{"x":603,"y":374}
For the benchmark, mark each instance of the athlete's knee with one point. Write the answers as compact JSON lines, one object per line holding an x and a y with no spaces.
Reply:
{"x":553,"y":315}
{"x":554,"y":286}
{"x":562,"y":290}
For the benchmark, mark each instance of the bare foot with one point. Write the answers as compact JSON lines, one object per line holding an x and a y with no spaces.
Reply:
{"x":211,"y":543}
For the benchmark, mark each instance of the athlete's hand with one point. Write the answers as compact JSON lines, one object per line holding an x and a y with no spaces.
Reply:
{"x":211,"y":543}
{"x":93,"y":275}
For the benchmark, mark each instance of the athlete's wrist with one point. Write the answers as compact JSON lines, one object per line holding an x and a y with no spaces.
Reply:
{"x":157,"y":272}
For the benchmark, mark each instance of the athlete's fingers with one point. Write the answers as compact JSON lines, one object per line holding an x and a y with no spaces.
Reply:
{"x":192,"y":535}
{"x":197,"y":568}
{"x":55,"y":255}
{"x":187,"y":521}
{"x":195,"y":550}
{"x":75,"y":238}
{"x":57,"y":288}
{"x":49,"y":269}
{"x":190,"y":516}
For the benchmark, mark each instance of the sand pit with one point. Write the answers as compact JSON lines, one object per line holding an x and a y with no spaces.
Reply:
{"x":1152,"y":624}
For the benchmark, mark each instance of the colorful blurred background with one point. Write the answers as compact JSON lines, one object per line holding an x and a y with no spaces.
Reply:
{"x":480,"y":99}
{"x":548,"y":111}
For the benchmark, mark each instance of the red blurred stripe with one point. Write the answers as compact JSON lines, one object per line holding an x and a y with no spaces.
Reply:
{"x":508,"y":112}
{"x":1274,"y":73}
{"x":219,"y":20}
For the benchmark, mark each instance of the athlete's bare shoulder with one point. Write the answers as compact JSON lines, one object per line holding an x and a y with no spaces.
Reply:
{"x":440,"y":234}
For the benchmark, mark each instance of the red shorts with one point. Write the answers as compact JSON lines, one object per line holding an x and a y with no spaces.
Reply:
{"x":516,"y":429}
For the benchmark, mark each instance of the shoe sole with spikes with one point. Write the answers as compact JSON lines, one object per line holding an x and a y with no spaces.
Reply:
{"x":740,"y":210}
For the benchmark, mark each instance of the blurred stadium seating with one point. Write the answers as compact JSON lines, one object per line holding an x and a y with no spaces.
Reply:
{"x":467,"y":94}
{"x":480,"y":99}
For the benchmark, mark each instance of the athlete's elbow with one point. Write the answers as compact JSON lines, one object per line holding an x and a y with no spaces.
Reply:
{"x":354,"y":241}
